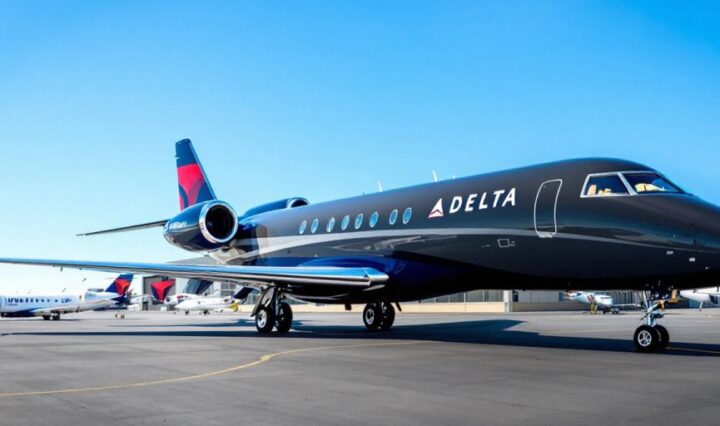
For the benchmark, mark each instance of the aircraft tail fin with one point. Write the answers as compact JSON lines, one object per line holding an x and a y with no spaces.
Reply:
{"x":121,"y":285}
{"x":161,"y":289}
{"x":193,"y":184}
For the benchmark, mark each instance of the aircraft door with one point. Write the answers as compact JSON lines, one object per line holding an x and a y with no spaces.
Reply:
{"x":546,"y":208}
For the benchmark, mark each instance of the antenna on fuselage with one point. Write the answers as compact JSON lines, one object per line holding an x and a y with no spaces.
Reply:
{"x":435,"y":176}
{"x":380,"y":188}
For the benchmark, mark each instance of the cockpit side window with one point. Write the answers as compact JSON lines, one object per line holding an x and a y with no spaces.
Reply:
{"x":649,"y":182}
{"x":605,"y":185}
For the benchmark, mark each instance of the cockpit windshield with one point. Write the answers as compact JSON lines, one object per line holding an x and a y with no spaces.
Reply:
{"x":648,"y":182}
{"x":627,"y":184}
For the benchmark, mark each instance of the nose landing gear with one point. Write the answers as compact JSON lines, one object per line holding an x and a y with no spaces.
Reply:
{"x":651,"y":336}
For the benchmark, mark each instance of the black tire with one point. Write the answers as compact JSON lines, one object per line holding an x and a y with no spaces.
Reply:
{"x":46,"y":317}
{"x":56,"y":317}
{"x":388,"y":316}
{"x":372,"y":317}
{"x":646,"y":338}
{"x":265,"y":320}
{"x":664,"y":336}
{"x":285,"y":317}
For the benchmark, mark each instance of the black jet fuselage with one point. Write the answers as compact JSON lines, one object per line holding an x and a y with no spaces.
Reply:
{"x":529,"y":228}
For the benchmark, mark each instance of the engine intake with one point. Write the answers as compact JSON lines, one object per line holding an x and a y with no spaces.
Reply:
{"x":203,"y":227}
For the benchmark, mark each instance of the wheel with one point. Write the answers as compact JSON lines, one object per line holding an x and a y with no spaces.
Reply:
{"x":664,"y":336}
{"x":646,"y":338}
{"x":46,"y":317}
{"x":284,"y":319}
{"x":372,"y":317}
{"x":388,"y":316}
{"x":265,"y":319}
{"x":56,"y":317}
{"x":187,"y":312}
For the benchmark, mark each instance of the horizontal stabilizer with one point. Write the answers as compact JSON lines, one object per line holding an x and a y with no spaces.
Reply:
{"x":155,"y":224}
{"x":295,"y":275}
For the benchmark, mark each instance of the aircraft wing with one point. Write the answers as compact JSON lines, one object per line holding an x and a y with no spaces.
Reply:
{"x":288,"y":275}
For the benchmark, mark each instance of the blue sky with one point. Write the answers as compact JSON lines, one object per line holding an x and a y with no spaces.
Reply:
{"x":324,"y":98}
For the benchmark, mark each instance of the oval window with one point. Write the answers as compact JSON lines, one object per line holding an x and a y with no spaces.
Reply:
{"x":345,"y":222}
{"x":407,"y":214}
{"x":303,"y":227}
{"x":330,"y":225}
{"x":393,"y":217}
{"x":374,"y":219}
{"x":314,"y":225}
{"x":358,"y":221}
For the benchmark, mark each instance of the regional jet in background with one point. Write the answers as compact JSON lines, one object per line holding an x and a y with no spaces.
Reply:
{"x":214,"y":303}
{"x":52,"y":306}
{"x":702,"y":295}
{"x":601,"y":301}
{"x":602,"y":224}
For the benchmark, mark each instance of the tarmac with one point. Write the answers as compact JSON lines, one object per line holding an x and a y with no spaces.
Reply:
{"x":155,"y":368}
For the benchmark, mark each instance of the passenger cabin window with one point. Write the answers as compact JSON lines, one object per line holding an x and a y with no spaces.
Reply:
{"x":374,"y":219}
{"x":358,"y":221}
{"x":604,"y":186}
{"x":330,"y":225}
{"x":407,"y":214}
{"x":303,"y":226}
{"x":649,"y":182}
{"x":314,"y":225}
{"x":393,"y":217}
{"x":345,"y":222}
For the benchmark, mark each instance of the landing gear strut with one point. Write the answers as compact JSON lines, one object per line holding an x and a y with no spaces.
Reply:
{"x":652,"y":336}
{"x":379,"y":315}
{"x":272,"y":312}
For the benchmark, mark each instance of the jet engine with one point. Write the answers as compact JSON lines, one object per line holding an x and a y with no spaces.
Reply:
{"x":207,"y":226}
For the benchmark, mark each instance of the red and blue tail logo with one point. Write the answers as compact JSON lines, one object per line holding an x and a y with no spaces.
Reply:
{"x":161,"y":289}
{"x":121,"y":285}
{"x":192,"y":183}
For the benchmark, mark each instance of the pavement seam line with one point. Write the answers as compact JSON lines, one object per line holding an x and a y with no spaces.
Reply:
{"x":261,"y":360}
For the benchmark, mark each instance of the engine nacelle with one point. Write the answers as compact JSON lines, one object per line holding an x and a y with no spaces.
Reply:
{"x":206,"y":226}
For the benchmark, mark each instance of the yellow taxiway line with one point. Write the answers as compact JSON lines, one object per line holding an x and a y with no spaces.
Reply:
{"x":263,"y":359}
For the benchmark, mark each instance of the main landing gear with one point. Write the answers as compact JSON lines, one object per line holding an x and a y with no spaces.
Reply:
{"x":379,"y":315}
{"x":651,"y":336}
{"x":272,"y":311}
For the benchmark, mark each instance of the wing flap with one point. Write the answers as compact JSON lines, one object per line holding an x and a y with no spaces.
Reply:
{"x":295,"y":275}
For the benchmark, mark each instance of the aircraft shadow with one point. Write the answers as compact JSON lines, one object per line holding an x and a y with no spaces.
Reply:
{"x":489,"y":332}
